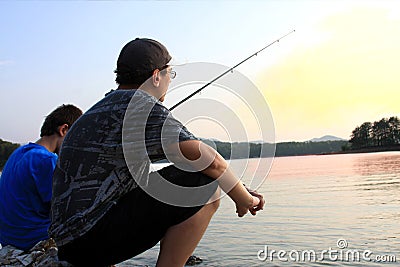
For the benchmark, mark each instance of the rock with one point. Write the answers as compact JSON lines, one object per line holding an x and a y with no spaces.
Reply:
{"x":25,"y":259}
{"x":8,"y":256}
{"x":193,"y":260}
{"x":43,"y":254}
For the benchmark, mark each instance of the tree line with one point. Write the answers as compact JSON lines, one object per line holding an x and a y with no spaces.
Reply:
{"x":238,"y":150}
{"x":382,"y":133}
{"x":6,"y":148}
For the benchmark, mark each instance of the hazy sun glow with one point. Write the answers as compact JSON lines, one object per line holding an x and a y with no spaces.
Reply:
{"x":346,"y":74}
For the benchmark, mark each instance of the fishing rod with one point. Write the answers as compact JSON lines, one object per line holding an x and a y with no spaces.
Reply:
{"x":229,"y":70}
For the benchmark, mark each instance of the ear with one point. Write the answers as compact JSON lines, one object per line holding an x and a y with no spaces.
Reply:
{"x":156,"y":78}
{"x":63,"y":129}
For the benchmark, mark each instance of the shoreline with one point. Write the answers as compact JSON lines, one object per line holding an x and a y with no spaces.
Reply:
{"x":355,"y":151}
{"x":366,"y":150}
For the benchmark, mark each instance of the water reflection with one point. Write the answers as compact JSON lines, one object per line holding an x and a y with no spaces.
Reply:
{"x":378,"y":163}
{"x":312,"y":201}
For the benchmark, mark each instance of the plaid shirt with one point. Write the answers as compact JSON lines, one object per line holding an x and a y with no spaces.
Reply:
{"x":106,"y":154}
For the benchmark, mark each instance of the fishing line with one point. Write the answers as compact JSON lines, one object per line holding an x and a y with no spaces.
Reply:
{"x":227,"y":71}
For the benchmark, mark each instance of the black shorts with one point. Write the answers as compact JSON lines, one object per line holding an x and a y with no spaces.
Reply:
{"x":135,"y":224}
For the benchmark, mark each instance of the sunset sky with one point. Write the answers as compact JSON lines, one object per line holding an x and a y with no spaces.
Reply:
{"x":347,"y":76}
{"x":338,"y":70}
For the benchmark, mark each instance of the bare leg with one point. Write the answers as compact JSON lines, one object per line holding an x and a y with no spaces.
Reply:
{"x":180,"y":240}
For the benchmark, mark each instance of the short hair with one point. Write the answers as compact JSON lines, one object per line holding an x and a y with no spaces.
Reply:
{"x":127,"y":77}
{"x":64,"y":114}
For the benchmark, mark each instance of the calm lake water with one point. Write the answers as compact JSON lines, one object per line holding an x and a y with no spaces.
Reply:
{"x":346,"y":205}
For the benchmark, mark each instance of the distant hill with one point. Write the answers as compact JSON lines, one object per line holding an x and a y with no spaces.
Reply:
{"x":327,"y":138}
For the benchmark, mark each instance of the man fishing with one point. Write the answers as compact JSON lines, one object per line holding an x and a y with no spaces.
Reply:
{"x":104,"y":208}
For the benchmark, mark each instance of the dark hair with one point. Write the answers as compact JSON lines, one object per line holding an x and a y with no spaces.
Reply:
{"x":127,"y":77}
{"x":64,"y":114}
{"x":138,"y":78}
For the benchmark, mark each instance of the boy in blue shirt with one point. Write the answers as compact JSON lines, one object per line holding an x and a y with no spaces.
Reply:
{"x":26,"y":182}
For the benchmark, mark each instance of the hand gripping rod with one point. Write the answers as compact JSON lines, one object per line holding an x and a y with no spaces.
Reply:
{"x":231,"y":69}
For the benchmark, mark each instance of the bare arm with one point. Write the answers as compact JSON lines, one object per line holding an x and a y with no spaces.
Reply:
{"x":204,"y":158}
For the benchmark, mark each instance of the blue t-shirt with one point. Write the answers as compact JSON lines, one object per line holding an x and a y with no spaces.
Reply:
{"x":25,"y":196}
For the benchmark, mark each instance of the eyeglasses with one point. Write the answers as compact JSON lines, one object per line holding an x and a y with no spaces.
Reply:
{"x":172,"y":74}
